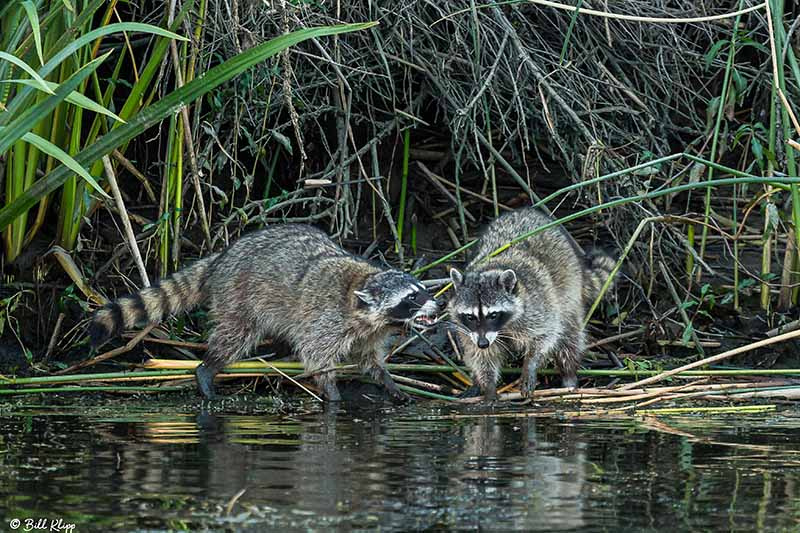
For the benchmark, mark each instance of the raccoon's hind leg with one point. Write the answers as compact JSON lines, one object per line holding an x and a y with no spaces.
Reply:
{"x":317,"y":356}
{"x":568,"y":352}
{"x":230,"y":339}
{"x":566,"y":355}
{"x":568,"y":359}
{"x":567,"y":362}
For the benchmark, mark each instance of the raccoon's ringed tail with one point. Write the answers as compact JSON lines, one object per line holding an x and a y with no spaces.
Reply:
{"x":599,"y":266}
{"x":181,"y":291}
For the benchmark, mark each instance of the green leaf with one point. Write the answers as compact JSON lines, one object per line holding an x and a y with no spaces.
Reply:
{"x":712,"y":53}
{"x":747,"y":41}
{"x":740,"y":132}
{"x":687,"y":334}
{"x":283,"y":140}
{"x":80,"y":42}
{"x":773,"y":219}
{"x":758,"y":149}
{"x":75,"y":98}
{"x":158,"y":111}
{"x":30,"y":9}
{"x":739,"y":81}
{"x":148,"y":73}
{"x":745,"y":283}
{"x":89,"y":37}
{"x":712,"y":109}
{"x":30,"y":117}
{"x":27,"y":68}
{"x":54,"y":151}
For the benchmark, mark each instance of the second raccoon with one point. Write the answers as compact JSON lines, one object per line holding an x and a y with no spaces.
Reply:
{"x":290,"y":281}
{"x":530,"y":300}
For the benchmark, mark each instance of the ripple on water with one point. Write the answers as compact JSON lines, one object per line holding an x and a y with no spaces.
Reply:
{"x":161,"y":466}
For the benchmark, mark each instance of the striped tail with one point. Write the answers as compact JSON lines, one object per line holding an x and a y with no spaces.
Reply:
{"x":598,"y":267}
{"x":182,"y":290}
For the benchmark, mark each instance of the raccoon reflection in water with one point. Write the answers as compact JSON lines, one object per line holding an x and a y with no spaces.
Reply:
{"x":530,"y":300}
{"x":289,"y":281}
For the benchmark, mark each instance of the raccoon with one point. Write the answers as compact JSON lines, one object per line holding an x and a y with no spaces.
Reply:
{"x":287,"y":281}
{"x":530,"y":300}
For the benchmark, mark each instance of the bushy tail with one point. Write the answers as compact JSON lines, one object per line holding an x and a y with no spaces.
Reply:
{"x":182,"y":290}
{"x":598,"y":267}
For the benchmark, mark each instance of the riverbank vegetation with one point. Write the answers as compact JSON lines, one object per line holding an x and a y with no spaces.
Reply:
{"x":137,"y":137}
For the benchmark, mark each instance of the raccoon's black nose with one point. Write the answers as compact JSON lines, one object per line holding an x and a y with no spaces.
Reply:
{"x":483,"y":343}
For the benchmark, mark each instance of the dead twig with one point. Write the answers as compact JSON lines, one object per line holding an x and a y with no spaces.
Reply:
{"x":713,"y":359}
{"x":110,"y":354}
{"x":126,"y":223}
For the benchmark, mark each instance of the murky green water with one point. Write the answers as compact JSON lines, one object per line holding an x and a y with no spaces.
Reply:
{"x":143,"y":465}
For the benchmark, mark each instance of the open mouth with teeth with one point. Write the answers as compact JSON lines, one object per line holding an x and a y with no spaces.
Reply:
{"x":424,"y":320}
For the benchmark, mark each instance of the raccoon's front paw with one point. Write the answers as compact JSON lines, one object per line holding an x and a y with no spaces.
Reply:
{"x":490,"y":396}
{"x":569,"y":382}
{"x":472,"y":392}
{"x":527,"y":386}
{"x":399,"y":397}
{"x":205,"y":381}
{"x":331,"y":392}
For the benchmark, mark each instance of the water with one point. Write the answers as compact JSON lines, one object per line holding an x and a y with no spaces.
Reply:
{"x":149,"y":465}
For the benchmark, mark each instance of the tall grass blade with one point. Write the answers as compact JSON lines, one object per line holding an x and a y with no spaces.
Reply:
{"x":33,"y":18}
{"x":401,"y":212}
{"x":29,"y":118}
{"x":153,"y":114}
{"x":5,"y":8}
{"x":573,"y":19}
{"x":54,"y":151}
{"x":27,"y":68}
{"x":79,"y":43}
{"x":74,"y":98}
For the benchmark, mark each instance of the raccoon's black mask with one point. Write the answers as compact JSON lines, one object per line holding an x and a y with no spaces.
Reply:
{"x":409,"y":306}
{"x":483,"y":303}
{"x":398,"y":298}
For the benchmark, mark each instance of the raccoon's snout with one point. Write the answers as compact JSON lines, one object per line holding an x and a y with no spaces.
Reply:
{"x":484,"y":340}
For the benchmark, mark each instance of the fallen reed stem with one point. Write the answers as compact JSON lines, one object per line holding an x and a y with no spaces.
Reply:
{"x":712,"y":359}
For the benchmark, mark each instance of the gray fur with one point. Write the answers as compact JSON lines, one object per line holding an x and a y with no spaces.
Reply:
{"x":293,"y":282}
{"x":540,"y":287}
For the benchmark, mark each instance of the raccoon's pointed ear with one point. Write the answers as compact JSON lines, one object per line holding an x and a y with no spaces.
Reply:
{"x":364,"y":296}
{"x":456,"y":277}
{"x":508,"y":280}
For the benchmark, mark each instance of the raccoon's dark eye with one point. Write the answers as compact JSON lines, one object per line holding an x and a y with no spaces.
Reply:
{"x":468,"y":318}
{"x":412,"y":296}
{"x":494,"y":315}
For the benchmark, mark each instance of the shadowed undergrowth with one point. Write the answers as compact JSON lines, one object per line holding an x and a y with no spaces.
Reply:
{"x":670,"y":143}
